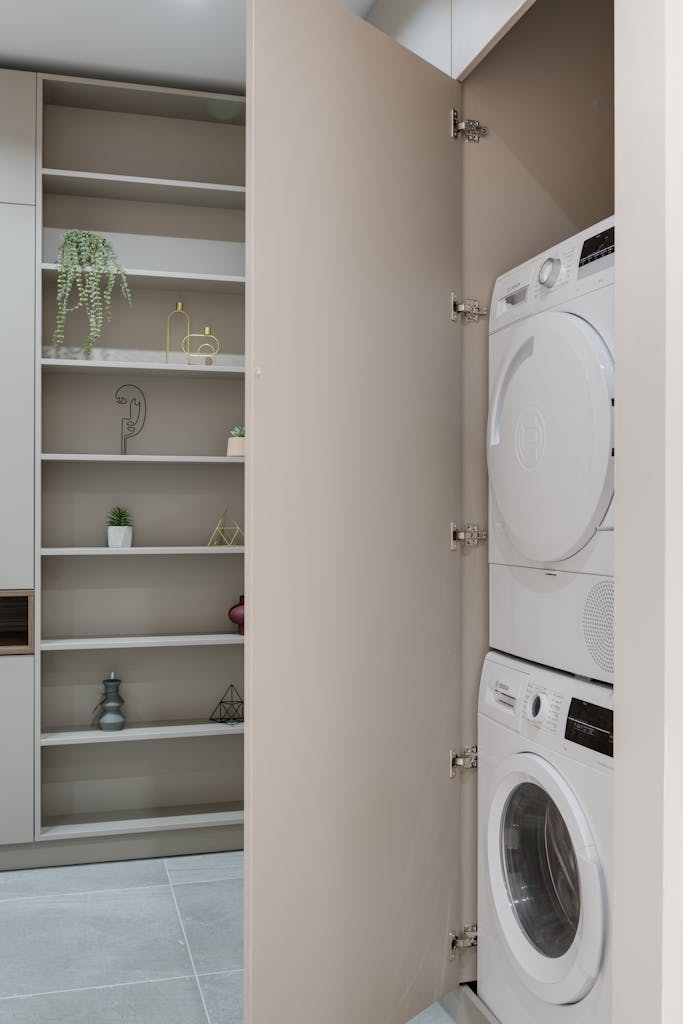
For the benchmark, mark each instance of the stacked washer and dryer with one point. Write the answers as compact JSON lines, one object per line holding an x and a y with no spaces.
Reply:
{"x":545,"y":704}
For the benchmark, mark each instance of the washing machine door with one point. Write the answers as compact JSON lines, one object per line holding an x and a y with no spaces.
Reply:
{"x":551,"y":434}
{"x":546,"y":880}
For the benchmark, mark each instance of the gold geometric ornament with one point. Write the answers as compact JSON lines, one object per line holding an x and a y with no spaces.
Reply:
{"x":178,"y":311}
{"x":207,"y":349}
{"x":227,"y":532}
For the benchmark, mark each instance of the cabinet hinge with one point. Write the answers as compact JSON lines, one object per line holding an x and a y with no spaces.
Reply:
{"x":471,"y":131}
{"x":468,"y":759}
{"x":471,"y":535}
{"x":469,"y":309}
{"x":466,"y":940}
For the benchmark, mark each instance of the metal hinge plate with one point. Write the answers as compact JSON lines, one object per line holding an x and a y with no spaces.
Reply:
{"x":471,"y":131}
{"x":467,"y":940}
{"x":469,"y":309}
{"x":468,"y":759}
{"x":471,"y":535}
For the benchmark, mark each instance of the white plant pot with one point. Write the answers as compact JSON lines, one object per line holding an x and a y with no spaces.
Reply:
{"x":236,"y":445}
{"x":119,"y":536}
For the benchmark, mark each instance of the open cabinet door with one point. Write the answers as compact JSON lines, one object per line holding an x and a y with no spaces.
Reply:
{"x":352,"y":656}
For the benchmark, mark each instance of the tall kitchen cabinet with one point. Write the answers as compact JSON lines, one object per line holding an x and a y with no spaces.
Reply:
{"x":161,"y":174}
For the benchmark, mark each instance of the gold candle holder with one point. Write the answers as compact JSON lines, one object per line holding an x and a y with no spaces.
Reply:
{"x":178,"y":311}
{"x":208,"y":348}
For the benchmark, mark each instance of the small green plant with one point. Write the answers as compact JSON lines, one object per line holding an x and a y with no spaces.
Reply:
{"x":88,"y":266}
{"x":238,"y":432}
{"x":119,"y":517}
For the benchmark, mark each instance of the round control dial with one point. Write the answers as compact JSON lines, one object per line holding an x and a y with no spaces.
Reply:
{"x":538,"y":708}
{"x":549,"y":272}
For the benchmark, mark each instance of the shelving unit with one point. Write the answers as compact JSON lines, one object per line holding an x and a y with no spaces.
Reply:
{"x":168,"y":191}
{"x":110,"y":643}
{"x":149,"y":459}
{"x":152,"y":369}
{"x":142,"y":190}
{"x":138,"y":732}
{"x":126,"y":552}
{"x":149,"y":819}
{"x":163,"y":280}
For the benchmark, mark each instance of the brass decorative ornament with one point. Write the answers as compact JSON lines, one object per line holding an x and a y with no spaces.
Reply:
{"x":179,"y":311}
{"x":227,"y":533}
{"x":207,"y":349}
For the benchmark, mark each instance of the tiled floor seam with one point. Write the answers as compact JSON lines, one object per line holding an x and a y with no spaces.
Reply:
{"x":84,"y":892}
{"x":187,"y":946}
{"x":98,"y":988}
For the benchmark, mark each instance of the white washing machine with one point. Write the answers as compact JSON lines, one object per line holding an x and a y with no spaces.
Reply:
{"x":545,"y":845}
{"x":551,"y":457}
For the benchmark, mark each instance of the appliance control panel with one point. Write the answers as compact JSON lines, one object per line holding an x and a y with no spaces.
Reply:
{"x":550,"y":709}
{"x":579,"y":265}
{"x":590,"y":726}
{"x":543,"y":707}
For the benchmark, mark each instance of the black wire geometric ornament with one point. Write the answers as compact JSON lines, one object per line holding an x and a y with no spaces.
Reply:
{"x":230,"y":707}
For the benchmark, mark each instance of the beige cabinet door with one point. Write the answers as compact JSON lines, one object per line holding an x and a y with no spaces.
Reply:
{"x":16,"y":750}
{"x":17,"y":137}
{"x":17,"y":408}
{"x":352,"y":656}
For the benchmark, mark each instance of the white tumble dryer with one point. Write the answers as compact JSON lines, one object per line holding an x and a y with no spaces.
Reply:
{"x":544,"y":845}
{"x":551,"y":457}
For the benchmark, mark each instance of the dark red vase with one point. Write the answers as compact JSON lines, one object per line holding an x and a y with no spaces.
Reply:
{"x":236,"y":615}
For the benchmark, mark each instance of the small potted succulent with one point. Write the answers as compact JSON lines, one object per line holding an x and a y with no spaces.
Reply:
{"x":119,"y":528}
{"x":236,"y":441}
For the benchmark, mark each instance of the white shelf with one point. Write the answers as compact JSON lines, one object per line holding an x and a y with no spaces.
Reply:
{"x":139,"y":731}
{"x":217,"y":459}
{"x":91,"y":643}
{"x":144,"y":190}
{"x":157,"y":819}
{"x":157,"y":101}
{"x":167,"y":280}
{"x":222,"y":549}
{"x":130,"y":366}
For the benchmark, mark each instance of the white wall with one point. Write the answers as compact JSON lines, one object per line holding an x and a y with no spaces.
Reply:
{"x":453,"y":35}
{"x":195,"y":44}
{"x":423,"y":26}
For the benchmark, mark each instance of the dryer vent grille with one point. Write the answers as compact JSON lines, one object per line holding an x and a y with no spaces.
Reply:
{"x":598,"y":624}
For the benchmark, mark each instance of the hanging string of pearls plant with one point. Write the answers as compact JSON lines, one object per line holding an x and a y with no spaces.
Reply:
{"x":88,"y":270}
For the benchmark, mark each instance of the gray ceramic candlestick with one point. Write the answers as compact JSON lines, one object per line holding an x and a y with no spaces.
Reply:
{"x":112,"y":718}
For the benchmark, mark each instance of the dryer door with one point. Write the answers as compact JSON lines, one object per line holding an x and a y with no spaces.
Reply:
{"x":545,"y":879}
{"x":550,"y":434}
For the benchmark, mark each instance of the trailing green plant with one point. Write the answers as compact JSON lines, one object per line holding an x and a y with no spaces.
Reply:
{"x":119,"y":516}
{"x":238,"y":432}
{"x":87,"y":271}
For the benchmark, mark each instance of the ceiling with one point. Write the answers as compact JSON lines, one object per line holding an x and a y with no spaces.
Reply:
{"x":197,"y":44}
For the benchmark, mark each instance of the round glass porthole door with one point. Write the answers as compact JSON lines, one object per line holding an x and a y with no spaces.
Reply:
{"x":545,"y":879}
{"x":540,"y":870}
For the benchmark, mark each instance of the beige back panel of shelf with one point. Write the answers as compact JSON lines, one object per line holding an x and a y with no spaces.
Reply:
{"x":140,"y":596}
{"x":170,"y":504}
{"x":156,"y":147}
{"x":130,"y":776}
{"x":143,"y":324}
{"x":184,"y":417}
{"x":157,"y":684}
{"x":172,"y":220}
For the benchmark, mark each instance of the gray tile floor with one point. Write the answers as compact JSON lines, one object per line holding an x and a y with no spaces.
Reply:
{"x":136,"y":942}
